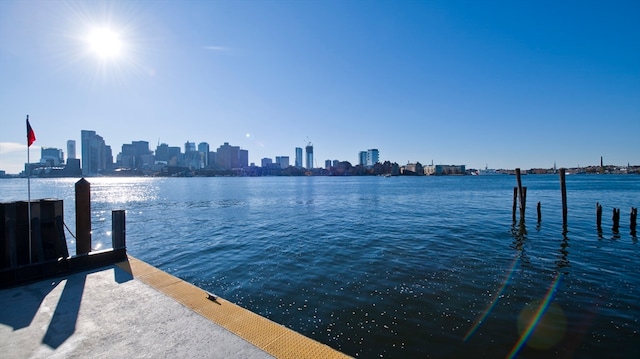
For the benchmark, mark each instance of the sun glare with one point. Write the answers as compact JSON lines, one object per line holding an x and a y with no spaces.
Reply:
{"x":105,"y":43}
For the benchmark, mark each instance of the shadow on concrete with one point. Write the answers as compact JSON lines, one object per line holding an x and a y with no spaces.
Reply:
{"x":63,"y":322}
{"x":122,"y":272}
{"x":20,"y":304}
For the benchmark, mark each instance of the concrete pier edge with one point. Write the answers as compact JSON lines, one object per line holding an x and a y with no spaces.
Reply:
{"x":271,"y":337}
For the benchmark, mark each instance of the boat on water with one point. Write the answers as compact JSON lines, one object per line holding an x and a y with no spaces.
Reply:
{"x":488,"y":172}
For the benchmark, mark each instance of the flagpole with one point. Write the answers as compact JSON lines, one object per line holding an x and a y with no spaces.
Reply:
{"x":28,"y":169}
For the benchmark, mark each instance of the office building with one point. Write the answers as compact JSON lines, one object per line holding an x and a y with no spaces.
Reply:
{"x":136,"y":156}
{"x":368,"y":158}
{"x":51,"y":157}
{"x":298,"y":157}
{"x":266,"y":162}
{"x":372,"y":157}
{"x":309,"y":153}
{"x":228,"y":157}
{"x":283,"y":161}
{"x":96,"y":155}
{"x":362,"y":158}
{"x":71,"y":149}
{"x":244,"y":158}
{"x":203,"y":148}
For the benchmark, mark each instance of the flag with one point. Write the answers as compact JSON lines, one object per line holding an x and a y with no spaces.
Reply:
{"x":31,"y":136}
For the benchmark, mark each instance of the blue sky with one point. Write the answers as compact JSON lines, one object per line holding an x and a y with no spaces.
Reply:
{"x":500,"y":83}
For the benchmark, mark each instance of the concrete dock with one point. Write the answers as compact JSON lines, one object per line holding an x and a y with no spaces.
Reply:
{"x":134,"y":310}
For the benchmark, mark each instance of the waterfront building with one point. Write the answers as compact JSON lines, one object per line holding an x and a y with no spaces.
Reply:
{"x":243,"y":158}
{"x":211,"y":159}
{"x":136,"y":155}
{"x":229,"y":157}
{"x":189,"y":147}
{"x":413,"y":169}
{"x":96,"y":155}
{"x":203,"y":148}
{"x":71,"y":149}
{"x":162,"y":153}
{"x":192,"y":160}
{"x":283,"y":161}
{"x":266,"y":162}
{"x":362,"y":158}
{"x":298,"y":157}
{"x":372,"y":157}
{"x":327,"y":164}
{"x":309,"y":152}
{"x":442,"y":170}
{"x":51,"y":157}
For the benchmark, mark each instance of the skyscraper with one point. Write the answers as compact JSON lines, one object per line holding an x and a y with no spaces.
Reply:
{"x":228,"y":157}
{"x":309,"y":151}
{"x":298,"y":157}
{"x":362,"y":158}
{"x":283,"y":161}
{"x":71,"y":149}
{"x":372,"y":157}
{"x":96,"y":156}
{"x":189,"y":147}
{"x":203,"y":148}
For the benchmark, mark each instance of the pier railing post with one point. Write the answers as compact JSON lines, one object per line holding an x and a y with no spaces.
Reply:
{"x":83,"y":216}
{"x":118,"y":230}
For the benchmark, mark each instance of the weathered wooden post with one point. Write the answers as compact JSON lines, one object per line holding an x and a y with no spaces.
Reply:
{"x":616,"y":220}
{"x":563,"y":189}
{"x":539,"y":213}
{"x":515,"y":200}
{"x":632,"y":220}
{"x":524,"y":200}
{"x":118,"y":232}
{"x":520,"y":194}
{"x":599,"y":216}
{"x":83,"y":216}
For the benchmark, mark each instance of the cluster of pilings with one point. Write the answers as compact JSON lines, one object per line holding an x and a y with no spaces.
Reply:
{"x":520,"y":193}
{"x":33,"y":244}
{"x":633,"y":219}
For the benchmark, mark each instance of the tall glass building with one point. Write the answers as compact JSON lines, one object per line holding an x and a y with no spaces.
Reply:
{"x":298,"y":157}
{"x":309,"y":152}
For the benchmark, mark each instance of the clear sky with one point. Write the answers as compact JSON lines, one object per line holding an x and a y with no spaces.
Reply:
{"x":500,"y":83}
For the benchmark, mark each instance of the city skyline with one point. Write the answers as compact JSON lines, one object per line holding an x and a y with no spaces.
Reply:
{"x":502,"y":84}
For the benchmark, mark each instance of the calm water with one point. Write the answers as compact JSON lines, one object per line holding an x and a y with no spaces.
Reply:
{"x":392,"y":267}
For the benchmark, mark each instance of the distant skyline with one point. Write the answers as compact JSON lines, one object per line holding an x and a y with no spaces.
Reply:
{"x":505,"y":84}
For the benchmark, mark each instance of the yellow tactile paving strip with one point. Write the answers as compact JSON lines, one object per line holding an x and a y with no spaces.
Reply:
{"x":273,"y":338}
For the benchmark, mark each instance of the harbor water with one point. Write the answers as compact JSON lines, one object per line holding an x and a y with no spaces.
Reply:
{"x":400,"y":267}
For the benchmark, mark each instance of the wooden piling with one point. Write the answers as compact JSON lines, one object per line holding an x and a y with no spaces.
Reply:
{"x":83,"y":217}
{"x":539,"y":210}
{"x":118,"y":232}
{"x":515,"y":201}
{"x":520,"y":194}
{"x":599,"y":216}
{"x":633,"y":220}
{"x":616,"y":220}
{"x":563,"y":189}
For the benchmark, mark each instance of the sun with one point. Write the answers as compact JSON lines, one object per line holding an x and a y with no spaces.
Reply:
{"x":105,"y":43}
